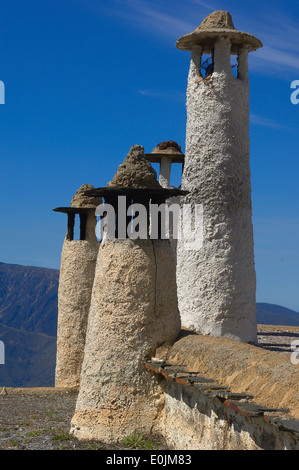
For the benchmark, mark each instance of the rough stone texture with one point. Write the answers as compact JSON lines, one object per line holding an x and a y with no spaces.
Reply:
{"x":217,"y":19}
{"x":78,"y":261}
{"x":216,"y":24}
{"x":216,"y":284}
{"x":133,"y":310}
{"x":81,"y":200}
{"x":135,"y":171}
{"x":192,"y":421}
{"x":76,"y":280}
{"x":168,"y":147}
{"x":244,"y":368}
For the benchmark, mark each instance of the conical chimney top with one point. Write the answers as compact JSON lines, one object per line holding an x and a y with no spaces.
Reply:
{"x":81,"y":200}
{"x":135,"y":171}
{"x":217,"y":24}
{"x":217,"y":19}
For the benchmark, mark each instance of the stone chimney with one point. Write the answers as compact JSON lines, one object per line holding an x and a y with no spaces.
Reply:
{"x":133,"y":311}
{"x":78,"y":261}
{"x":166,"y":153}
{"x":217,"y":284}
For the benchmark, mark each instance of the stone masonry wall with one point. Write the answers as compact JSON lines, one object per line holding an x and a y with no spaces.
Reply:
{"x":245,"y":398}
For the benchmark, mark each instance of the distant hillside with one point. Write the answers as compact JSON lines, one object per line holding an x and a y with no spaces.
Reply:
{"x":28,"y":298}
{"x":28,"y":323}
{"x":270,"y":314}
{"x":29,"y":358}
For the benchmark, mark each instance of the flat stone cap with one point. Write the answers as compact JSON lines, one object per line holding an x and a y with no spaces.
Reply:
{"x":218,"y":24}
{"x":169,"y":149}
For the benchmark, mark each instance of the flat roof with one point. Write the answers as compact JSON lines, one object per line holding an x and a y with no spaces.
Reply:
{"x":157,"y":157}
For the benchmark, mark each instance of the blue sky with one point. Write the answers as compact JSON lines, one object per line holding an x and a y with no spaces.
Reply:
{"x":87,"y":79}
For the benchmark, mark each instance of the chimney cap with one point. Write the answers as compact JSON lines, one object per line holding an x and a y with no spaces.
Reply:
{"x":217,"y":24}
{"x":169,"y":147}
{"x":80,"y":200}
{"x":135,"y":171}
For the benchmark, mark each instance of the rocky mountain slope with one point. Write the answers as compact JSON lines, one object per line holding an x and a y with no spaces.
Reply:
{"x":28,"y":325}
{"x":28,"y":298}
{"x":29,"y":358}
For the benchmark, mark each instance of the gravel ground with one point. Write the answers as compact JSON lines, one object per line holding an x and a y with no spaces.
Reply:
{"x":39,"y":419}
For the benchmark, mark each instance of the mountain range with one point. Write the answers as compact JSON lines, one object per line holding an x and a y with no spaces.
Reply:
{"x":28,"y":324}
{"x":270,"y":314}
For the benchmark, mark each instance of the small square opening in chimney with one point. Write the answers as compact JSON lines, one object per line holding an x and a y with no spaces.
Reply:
{"x":207,"y":65}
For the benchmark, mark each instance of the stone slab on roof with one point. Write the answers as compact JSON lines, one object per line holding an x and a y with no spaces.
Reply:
{"x":242,"y":367}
